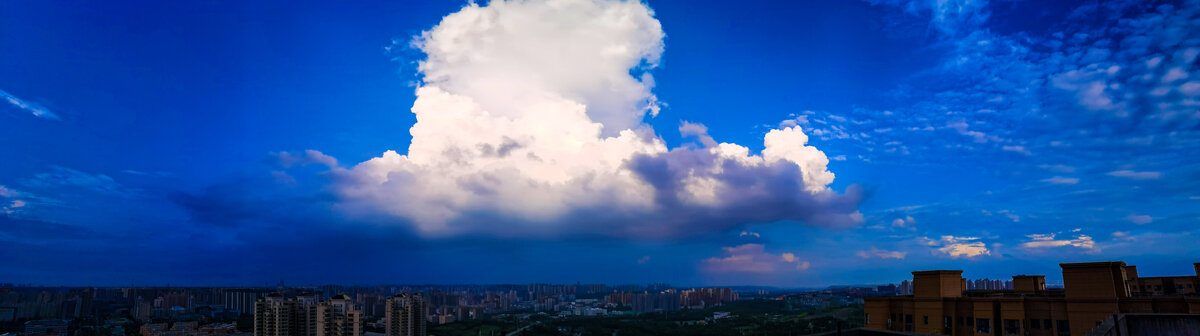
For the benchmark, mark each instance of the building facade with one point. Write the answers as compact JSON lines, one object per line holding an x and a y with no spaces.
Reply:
{"x":339,"y":317}
{"x":941,"y":304}
{"x":303,"y":315}
{"x":405,"y":315}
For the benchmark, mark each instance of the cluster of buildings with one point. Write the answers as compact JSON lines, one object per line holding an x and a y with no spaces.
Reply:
{"x":45,"y":303}
{"x":906,"y":287}
{"x":317,"y":311}
{"x":672,"y":299}
{"x":1097,"y":298}
{"x":189,"y":328}
{"x":305,"y":315}
{"x":985,"y":284}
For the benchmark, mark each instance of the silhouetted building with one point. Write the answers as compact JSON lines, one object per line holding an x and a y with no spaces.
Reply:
{"x":667,"y":300}
{"x":1149,"y":324}
{"x":405,"y":315}
{"x":46,"y":327}
{"x":242,"y":300}
{"x":1094,"y":292}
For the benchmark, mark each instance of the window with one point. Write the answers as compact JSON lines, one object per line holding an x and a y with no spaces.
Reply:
{"x":1046,"y":324}
{"x":1064,"y":328}
{"x":925,"y":319}
{"x":1035,"y":324}
{"x":983,"y":326}
{"x":1157,"y":287}
{"x":970,"y":320}
{"x":867,"y":319}
{"x":1012,"y":327}
{"x":947,"y":322}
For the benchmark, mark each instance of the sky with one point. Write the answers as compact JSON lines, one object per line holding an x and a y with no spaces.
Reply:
{"x":705,"y":143}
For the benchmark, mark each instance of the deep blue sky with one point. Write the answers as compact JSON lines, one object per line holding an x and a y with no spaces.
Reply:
{"x":140,"y":139}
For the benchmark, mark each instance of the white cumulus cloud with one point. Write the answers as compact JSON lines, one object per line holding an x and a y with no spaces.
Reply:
{"x":529,"y":122}
{"x":958,"y":247}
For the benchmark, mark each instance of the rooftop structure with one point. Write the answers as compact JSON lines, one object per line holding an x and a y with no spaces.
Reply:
{"x":1095,"y":291}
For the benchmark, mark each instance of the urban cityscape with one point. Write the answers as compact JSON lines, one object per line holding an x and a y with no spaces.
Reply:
{"x":600,"y":168}
{"x":1098,"y":297}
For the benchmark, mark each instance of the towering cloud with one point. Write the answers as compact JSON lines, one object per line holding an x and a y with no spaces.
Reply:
{"x":530,"y":122}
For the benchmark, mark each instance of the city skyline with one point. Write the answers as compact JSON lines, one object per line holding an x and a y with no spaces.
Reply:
{"x":703,"y":144}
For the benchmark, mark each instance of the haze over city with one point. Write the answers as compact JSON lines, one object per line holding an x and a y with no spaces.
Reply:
{"x":796,"y":144}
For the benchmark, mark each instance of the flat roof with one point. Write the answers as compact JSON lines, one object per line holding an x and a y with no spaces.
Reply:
{"x":938,"y":272}
{"x":1092,"y":264}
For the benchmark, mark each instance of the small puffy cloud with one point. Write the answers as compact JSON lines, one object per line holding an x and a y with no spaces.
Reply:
{"x":307,"y":157}
{"x":1017,"y":149}
{"x":1062,"y":180}
{"x":1011,"y":216}
{"x":882,"y":254}
{"x":958,"y":247}
{"x":798,"y":119}
{"x":697,"y":130}
{"x":1058,"y":168}
{"x":9,"y":202}
{"x":1122,"y":235}
{"x":750,"y":234}
{"x":907,"y":221}
{"x":1139,"y":219}
{"x":751,"y":258}
{"x":1041,"y":241}
{"x":643,"y":260}
{"x":33,"y":108}
{"x":6,"y":192}
{"x":1145,"y":175}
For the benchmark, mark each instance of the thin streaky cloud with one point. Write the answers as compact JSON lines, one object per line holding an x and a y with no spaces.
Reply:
{"x":36,"y":109}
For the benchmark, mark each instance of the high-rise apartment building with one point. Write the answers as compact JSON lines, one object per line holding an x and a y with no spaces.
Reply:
{"x":338,"y":317}
{"x":242,"y":300}
{"x":1094,"y":292}
{"x":405,"y":315}
{"x":303,"y":315}
{"x":275,"y":315}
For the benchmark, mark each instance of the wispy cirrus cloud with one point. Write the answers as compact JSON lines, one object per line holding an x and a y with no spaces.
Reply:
{"x":63,"y":177}
{"x":1062,"y":180}
{"x":1049,"y":240}
{"x":31,"y":107}
{"x":1137,"y":175}
{"x":1139,"y":219}
{"x":879,"y":253}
